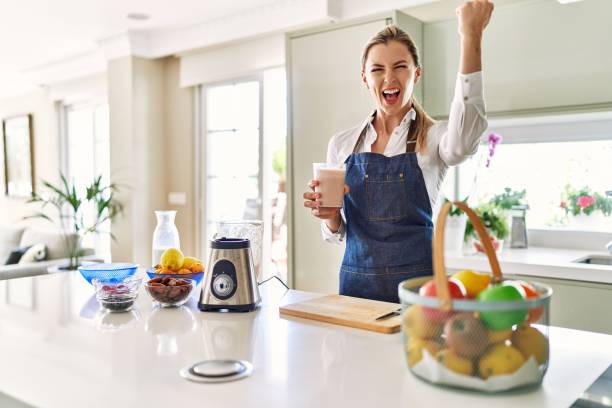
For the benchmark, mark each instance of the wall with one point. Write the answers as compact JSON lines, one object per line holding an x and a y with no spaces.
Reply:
{"x":179,"y":153}
{"x":232,"y":61}
{"x":45,"y":149}
{"x":137,"y":153}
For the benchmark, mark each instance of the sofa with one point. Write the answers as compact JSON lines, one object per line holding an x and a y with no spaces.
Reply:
{"x":13,"y":237}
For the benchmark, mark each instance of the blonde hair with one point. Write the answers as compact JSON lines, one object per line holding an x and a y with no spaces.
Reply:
{"x":422,"y":122}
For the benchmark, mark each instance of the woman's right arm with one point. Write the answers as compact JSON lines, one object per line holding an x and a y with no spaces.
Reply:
{"x":332,"y":223}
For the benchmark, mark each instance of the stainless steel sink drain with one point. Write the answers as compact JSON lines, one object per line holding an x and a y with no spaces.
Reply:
{"x":211,"y":371}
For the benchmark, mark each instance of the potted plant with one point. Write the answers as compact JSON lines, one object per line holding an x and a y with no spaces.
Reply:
{"x":585,"y":209}
{"x":494,"y":219}
{"x":455,"y":230}
{"x":71,"y":205}
{"x":509,"y":200}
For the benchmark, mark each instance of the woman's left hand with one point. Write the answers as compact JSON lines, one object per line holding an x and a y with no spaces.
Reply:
{"x":473,"y":17}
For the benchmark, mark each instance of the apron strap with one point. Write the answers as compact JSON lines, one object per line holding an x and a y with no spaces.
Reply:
{"x":410,"y":144}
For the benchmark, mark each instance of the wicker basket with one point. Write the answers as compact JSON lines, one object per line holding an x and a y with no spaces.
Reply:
{"x":488,"y":343}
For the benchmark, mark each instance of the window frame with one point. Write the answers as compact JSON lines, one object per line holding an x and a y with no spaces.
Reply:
{"x":570,"y":127}
{"x":63,"y":108}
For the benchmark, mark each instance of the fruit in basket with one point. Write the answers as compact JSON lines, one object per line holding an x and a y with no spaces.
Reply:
{"x":504,"y":319}
{"x":466,"y":335}
{"x":534,"y":314}
{"x":417,"y":325}
{"x":415,"y":348}
{"x":499,"y":336}
{"x":473,"y":282}
{"x":172,"y":258}
{"x":457,"y":291}
{"x":530,"y":342}
{"x":500,"y":359}
{"x":454,"y":362}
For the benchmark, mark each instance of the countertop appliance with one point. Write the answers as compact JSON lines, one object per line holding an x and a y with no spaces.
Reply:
{"x":229,"y":279}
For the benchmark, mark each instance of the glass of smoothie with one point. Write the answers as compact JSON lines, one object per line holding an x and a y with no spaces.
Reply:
{"x":331,"y":183}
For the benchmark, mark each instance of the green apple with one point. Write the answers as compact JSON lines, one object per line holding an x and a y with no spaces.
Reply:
{"x":501,"y":320}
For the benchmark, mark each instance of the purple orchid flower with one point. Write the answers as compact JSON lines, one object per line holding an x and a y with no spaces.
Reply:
{"x":494,"y":139}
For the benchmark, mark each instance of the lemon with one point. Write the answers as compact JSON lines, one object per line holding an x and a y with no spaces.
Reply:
{"x":189,"y":261}
{"x":474,"y":282}
{"x":172,"y":258}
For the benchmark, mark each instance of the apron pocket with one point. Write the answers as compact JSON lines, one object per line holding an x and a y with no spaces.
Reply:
{"x":387,"y":197}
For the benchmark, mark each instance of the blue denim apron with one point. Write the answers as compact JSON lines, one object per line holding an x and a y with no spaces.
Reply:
{"x":388,"y":223}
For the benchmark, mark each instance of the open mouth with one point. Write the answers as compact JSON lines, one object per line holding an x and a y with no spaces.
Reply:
{"x":391,"y":95}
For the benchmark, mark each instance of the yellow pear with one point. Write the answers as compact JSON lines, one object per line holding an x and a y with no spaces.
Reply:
{"x":530,"y":342}
{"x":189,"y":261}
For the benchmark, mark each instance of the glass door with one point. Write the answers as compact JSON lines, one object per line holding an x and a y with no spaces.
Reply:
{"x":244,"y":132}
{"x":232,"y":148}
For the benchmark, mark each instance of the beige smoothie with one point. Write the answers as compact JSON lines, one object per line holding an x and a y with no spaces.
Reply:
{"x":331,"y":183}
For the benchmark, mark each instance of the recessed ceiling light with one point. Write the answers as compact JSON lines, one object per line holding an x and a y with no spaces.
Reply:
{"x":138,"y":16}
{"x":568,"y":1}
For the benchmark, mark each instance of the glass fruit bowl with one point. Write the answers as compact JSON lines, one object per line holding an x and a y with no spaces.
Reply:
{"x":110,"y":272}
{"x":117,"y":296}
{"x":493,"y":340}
{"x":170,"y":292}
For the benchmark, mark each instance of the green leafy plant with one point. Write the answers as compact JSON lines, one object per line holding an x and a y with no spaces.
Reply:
{"x":71,"y":207}
{"x":455,"y":211}
{"x":279,"y":162}
{"x":584,"y":201}
{"x":494,"y":219}
{"x":509,"y":198}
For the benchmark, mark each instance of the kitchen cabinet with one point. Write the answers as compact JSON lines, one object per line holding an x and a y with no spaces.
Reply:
{"x":537,"y":56}
{"x":326,"y":96}
{"x":578,"y":305}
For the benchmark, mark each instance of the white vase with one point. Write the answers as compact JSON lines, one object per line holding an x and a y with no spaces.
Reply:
{"x":454,"y":233}
{"x":165,"y":235}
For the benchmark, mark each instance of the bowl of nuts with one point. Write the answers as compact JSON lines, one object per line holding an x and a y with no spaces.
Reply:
{"x":169,"y":291}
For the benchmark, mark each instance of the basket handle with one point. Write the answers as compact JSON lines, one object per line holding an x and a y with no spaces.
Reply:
{"x":439,"y":270}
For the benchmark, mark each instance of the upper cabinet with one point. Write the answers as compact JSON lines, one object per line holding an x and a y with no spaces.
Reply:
{"x":537,"y":56}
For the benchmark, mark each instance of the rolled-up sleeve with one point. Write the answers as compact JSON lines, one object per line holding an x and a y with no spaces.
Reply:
{"x":466,"y":122}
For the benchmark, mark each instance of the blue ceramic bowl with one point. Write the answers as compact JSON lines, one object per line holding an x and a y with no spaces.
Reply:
{"x":197,"y":277}
{"x":112,"y":272}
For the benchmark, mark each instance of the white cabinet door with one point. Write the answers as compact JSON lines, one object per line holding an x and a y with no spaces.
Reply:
{"x":536,"y":56}
{"x":327,"y":96}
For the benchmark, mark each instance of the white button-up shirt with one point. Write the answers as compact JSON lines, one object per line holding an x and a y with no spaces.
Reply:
{"x":448,"y":143}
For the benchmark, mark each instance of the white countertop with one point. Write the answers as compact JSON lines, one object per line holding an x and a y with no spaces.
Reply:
{"x":538,"y":262}
{"x":58,"y":350}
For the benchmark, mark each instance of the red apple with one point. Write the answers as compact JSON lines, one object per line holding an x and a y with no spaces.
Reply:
{"x":456,"y":289}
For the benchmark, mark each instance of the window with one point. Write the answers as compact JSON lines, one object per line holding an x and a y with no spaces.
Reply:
{"x":543,"y":160}
{"x":87,"y":155}
{"x":244,"y":150}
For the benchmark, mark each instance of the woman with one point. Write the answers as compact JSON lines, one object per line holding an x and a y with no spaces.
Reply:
{"x":396,"y":161}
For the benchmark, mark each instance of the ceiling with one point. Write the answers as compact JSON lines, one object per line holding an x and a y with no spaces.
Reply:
{"x":37,"y":32}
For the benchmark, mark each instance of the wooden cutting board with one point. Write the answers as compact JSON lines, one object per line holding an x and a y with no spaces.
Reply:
{"x":347,"y":311}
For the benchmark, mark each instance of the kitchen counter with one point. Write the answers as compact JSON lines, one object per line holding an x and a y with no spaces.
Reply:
{"x":537,"y":262}
{"x":59,"y":350}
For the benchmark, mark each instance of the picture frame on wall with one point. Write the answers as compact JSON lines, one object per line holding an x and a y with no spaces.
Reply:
{"x":18,"y":156}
